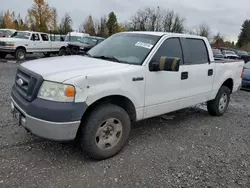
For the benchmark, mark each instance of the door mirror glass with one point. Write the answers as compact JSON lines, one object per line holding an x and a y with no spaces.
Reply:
{"x":165,"y":64}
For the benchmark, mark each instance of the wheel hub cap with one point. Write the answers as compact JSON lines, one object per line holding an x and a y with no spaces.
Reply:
{"x":223,"y":102}
{"x":108,"y":134}
{"x":20,"y":55}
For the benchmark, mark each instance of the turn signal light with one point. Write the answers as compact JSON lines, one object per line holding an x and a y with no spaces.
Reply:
{"x":70,"y":91}
{"x":10,"y":44}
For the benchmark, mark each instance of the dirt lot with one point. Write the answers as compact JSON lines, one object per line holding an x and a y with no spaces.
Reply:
{"x":192,"y":150}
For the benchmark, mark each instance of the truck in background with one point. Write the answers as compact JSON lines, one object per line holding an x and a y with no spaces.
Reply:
{"x":22,"y":43}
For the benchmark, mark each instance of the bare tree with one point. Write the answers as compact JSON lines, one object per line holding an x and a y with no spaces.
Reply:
{"x":140,"y":19}
{"x":172,"y":22}
{"x":88,"y":26}
{"x":203,"y":30}
{"x":102,"y":29}
{"x":149,"y":19}
{"x":66,"y":24}
{"x":218,"y":37}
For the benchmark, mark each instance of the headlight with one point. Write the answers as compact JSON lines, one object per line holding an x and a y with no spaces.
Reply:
{"x":57,"y":92}
{"x":10,"y":44}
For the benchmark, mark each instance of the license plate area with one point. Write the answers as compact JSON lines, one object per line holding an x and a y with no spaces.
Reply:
{"x":18,"y":117}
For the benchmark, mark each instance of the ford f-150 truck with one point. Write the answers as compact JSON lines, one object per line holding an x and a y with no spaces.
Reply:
{"x":23,"y":42}
{"x":128,"y":77}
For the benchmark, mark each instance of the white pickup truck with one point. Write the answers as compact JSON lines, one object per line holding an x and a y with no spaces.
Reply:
{"x":27,"y":42}
{"x":128,"y":77}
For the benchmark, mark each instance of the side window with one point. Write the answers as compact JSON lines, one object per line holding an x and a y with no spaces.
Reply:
{"x":45,"y":37}
{"x":170,"y":48}
{"x":35,"y":37}
{"x":198,"y":51}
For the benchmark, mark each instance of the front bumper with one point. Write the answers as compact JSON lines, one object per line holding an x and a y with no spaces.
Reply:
{"x":47,"y":119}
{"x":7,"y":49}
{"x":58,"y":131}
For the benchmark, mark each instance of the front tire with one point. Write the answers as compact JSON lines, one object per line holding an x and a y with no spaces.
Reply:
{"x":105,"y":132}
{"x":219,"y":105}
{"x":20,"y":54}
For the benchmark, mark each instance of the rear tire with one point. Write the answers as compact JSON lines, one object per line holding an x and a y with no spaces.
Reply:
{"x":105,"y":131}
{"x":219,"y":105}
{"x":20,"y":54}
{"x":62,"y":52}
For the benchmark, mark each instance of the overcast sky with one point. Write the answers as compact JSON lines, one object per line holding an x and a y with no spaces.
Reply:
{"x":224,"y":16}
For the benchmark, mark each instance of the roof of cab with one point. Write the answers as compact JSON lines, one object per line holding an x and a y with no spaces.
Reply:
{"x":156,"y":33}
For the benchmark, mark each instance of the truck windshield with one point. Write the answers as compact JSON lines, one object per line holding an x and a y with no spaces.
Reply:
{"x":131,"y":48}
{"x":21,"y":35}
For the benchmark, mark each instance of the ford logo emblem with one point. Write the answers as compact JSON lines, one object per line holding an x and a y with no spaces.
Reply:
{"x":20,"y":82}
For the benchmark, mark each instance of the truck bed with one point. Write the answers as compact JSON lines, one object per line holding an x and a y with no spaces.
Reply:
{"x":227,"y":60}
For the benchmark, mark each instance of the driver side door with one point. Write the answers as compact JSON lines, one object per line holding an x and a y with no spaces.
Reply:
{"x":164,"y":91}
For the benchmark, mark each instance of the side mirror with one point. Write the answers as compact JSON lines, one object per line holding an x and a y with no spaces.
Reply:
{"x":166,"y":64}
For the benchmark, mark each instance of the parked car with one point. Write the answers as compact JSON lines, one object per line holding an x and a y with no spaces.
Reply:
{"x":83,"y":45}
{"x":128,"y":77}
{"x":217,"y":53}
{"x":6,"y":32}
{"x":75,"y":36}
{"x":246,"y":77}
{"x":229,"y":54}
{"x":243,"y":55}
{"x":27,"y":42}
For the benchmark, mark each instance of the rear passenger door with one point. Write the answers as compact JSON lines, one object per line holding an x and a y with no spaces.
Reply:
{"x":199,"y":69}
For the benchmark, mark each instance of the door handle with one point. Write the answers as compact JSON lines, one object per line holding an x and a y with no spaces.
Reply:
{"x":184,"y":75}
{"x":210,"y":72}
{"x":135,"y":79}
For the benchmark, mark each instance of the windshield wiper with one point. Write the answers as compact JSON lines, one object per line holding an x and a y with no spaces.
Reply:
{"x":112,"y":58}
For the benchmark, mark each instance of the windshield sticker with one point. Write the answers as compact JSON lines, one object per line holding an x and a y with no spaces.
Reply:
{"x":144,"y":45}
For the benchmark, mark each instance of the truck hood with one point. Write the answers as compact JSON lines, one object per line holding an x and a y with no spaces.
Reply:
{"x":9,"y":39}
{"x":60,"y":69}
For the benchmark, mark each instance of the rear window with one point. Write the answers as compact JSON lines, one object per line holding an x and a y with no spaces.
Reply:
{"x":198,"y":51}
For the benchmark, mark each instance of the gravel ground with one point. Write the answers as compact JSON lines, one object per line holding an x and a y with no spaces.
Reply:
{"x":191,"y":150}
